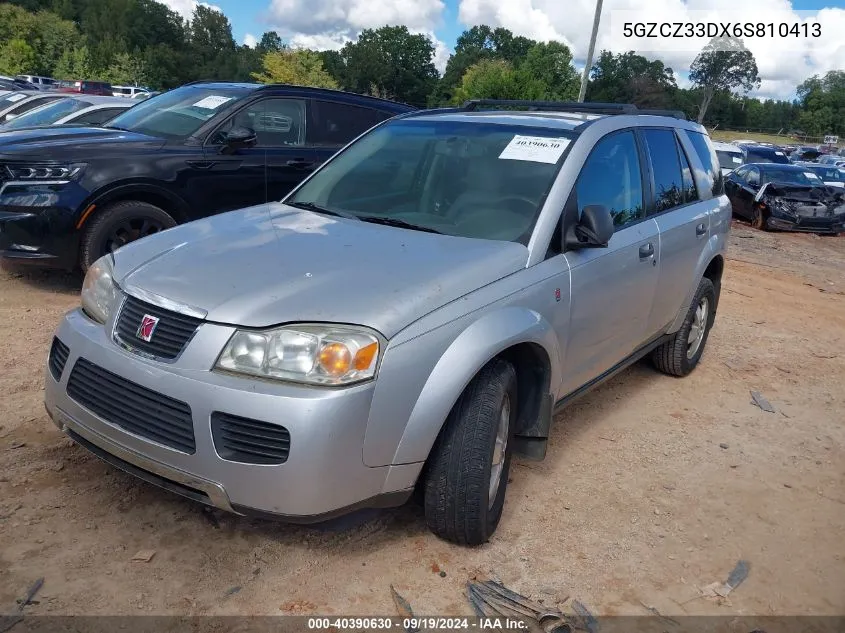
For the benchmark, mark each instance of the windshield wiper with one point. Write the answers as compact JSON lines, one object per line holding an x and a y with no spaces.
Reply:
{"x":376,"y":219}
{"x":311,"y":206}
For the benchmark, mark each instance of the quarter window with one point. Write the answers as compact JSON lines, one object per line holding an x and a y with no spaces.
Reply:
{"x":336,"y":124}
{"x":707,"y":155}
{"x":666,"y":169}
{"x":611,"y":177}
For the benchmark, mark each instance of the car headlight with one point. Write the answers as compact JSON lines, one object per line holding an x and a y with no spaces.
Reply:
{"x":99,"y":292}
{"x":311,"y":354}
{"x":37,"y":172}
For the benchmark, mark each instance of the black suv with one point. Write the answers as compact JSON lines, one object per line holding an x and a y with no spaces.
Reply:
{"x":69,"y":195}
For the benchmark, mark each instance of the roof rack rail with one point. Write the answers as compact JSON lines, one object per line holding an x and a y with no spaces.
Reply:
{"x":570,"y":106}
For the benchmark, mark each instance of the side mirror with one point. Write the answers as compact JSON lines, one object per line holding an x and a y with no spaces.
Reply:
{"x":239,"y":138}
{"x":594,"y":229}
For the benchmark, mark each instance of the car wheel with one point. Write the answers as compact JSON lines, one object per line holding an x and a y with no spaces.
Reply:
{"x":679,"y":355}
{"x":467,"y":473}
{"x":758,"y":218}
{"x":118,"y":224}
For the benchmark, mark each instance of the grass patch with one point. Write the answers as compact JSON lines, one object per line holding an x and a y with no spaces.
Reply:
{"x":728,"y":136}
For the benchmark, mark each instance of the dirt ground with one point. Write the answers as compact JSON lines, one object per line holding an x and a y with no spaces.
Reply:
{"x":652,"y":487}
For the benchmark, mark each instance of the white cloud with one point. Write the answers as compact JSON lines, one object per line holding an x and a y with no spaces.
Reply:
{"x":185,"y":8}
{"x":313,"y":17}
{"x":782,"y":63}
{"x":250,"y":40}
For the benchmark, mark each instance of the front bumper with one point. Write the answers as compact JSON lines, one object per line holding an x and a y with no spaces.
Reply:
{"x":324,"y":474}
{"x":810,"y":224}
{"x":39,"y":227}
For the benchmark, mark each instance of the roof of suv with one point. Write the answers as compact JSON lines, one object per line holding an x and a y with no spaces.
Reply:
{"x":561,"y":115}
{"x":229,"y":85}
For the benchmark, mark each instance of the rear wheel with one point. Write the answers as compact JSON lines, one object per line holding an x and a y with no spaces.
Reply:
{"x":680,"y":354}
{"x":118,"y":224}
{"x":468,"y":467}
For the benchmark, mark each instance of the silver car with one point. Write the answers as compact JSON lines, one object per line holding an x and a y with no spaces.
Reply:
{"x":408,"y":318}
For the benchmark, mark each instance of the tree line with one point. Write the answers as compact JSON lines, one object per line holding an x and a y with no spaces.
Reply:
{"x":143,"y":42}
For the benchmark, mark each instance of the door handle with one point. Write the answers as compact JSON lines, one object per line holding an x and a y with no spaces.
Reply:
{"x":700,"y":229}
{"x":299,"y":163}
{"x":202,"y":164}
{"x":646,"y":251}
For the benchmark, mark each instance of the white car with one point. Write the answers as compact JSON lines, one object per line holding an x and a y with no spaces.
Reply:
{"x":129,"y":91}
{"x":89,"y":110}
{"x":14,"y":104}
{"x":730,"y":156}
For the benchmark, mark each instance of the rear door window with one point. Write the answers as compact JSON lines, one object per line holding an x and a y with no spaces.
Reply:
{"x":335,"y":124}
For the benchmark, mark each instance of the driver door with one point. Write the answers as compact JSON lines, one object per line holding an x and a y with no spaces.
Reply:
{"x":613,"y":288}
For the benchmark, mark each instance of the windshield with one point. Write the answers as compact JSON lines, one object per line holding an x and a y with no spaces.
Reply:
{"x":179,"y":113}
{"x":6,"y":101}
{"x":791,"y":177}
{"x":830,"y":174}
{"x":729,"y":160}
{"x":46,"y":114}
{"x":755,"y":156}
{"x":476,"y":180}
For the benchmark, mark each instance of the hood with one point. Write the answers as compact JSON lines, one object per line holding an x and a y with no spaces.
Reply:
{"x":274,"y":264}
{"x":803,"y":200}
{"x":58,"y":141}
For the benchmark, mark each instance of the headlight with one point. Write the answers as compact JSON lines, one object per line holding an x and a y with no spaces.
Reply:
{"x":313,"y":354}
{"x":36,"y":172}
{"x":99,"y":292}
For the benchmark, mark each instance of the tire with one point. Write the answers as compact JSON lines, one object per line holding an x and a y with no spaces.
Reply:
{"x":758,"y":219}
{"x":674,"y":357}
{"x":120,"y":223}
{"x":457,"y":498}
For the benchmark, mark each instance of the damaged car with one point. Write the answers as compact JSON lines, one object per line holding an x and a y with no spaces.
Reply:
{"x":785,"y":197}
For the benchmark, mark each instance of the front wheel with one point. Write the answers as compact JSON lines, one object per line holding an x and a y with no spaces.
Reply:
{"x":468,"y":467}
{"x":118,"y":224}
{"x":758,"y":218}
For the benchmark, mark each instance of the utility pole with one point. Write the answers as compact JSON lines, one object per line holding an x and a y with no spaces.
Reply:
{"x":590,"y":52}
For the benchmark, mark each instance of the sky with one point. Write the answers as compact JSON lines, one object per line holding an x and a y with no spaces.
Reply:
{"x":783,"y":62}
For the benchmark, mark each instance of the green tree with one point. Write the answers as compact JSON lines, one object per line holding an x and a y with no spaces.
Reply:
{"x":473,"y":45}
{"x":299,"y":67}
{"x":212,"y":45}
{"x":631,"y":78}
{"x":128,"y":70}
{"x":270,"y":42}
{"x":74,"y":64}
{"x":16,"y":56}
{"x":334,"y":65}
{"x":823,"y":101}
{"x":390,"y":62}
{"x":723,"y":65}
{"x":551,"y":64}
{"x":498,"y":79}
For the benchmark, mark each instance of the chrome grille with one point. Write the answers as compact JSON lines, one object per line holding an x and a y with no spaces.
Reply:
{"x":171,"y":334}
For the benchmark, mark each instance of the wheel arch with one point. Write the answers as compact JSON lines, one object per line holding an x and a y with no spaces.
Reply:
{"x":711,"y":264}
{"x":521,"y":336}
{"x":151,"y":193}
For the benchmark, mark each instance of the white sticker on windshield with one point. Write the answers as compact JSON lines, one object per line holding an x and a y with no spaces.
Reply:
{"x":538,"y":149}
{"x":212,"y":103}
{"x":810,"y":175}
{"x":736,"y":159}
{"x":779,"y":153}
{"x":15,"y":98}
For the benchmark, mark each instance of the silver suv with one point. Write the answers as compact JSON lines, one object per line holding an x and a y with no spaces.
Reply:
{"x":408,"y":318}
